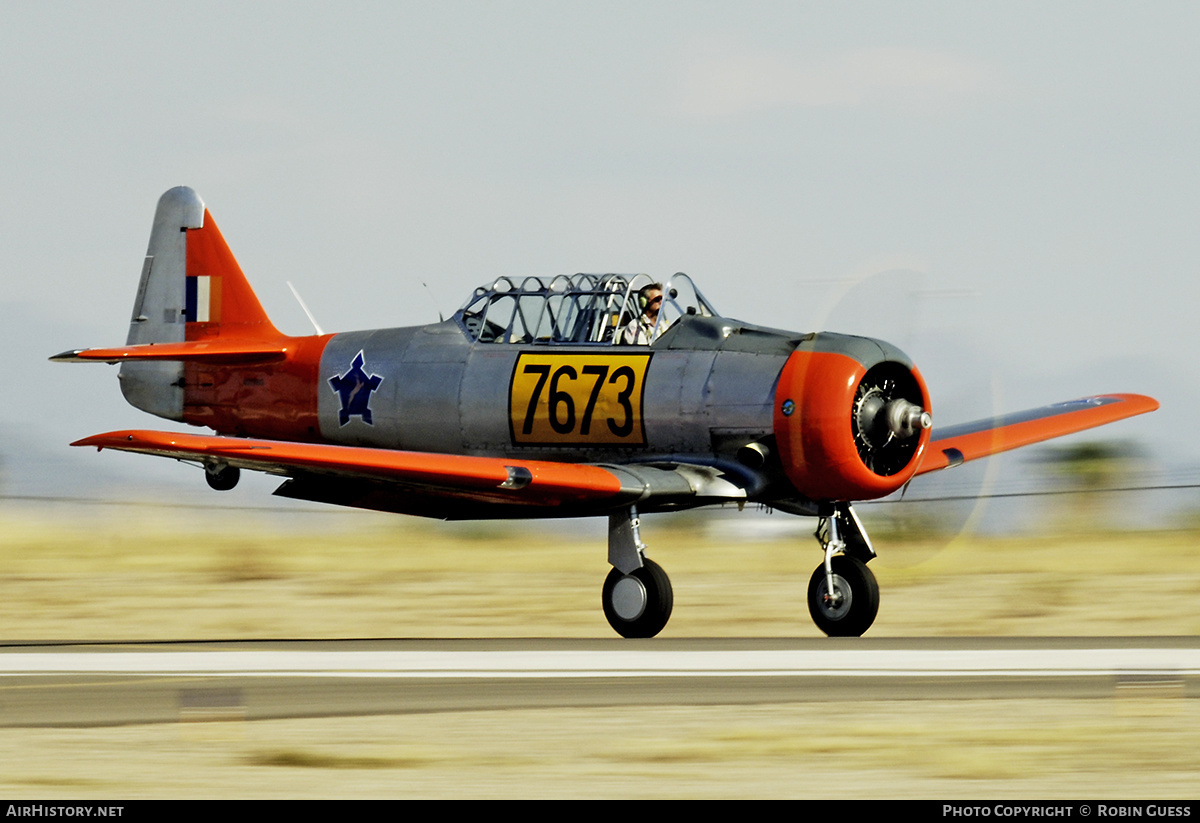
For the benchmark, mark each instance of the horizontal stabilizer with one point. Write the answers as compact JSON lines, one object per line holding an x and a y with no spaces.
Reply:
{"x":953,"y":445}
{"x":215,"y":351}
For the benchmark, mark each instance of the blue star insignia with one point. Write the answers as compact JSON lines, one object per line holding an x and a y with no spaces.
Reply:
{"x":355,"y":387}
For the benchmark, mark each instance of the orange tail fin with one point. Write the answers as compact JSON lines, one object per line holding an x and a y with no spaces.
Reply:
{"x":217,"y":299}
{"x":192,"y":291}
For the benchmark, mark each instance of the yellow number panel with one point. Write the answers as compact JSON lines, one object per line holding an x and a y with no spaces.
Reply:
{"x":578,"y":399}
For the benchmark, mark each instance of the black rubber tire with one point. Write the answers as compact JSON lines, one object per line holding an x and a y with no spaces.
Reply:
{"x":857,"y":612}
{"x":225,"y":479}
{"x":660,"y":598}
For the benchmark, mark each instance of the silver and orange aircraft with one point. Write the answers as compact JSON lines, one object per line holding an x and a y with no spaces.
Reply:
{"x":589,"y":394}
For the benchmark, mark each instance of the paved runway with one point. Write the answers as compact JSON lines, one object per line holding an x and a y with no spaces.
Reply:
{"x":83,"y":685}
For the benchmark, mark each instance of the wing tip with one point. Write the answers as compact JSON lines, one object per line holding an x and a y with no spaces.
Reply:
{"x":107,"y":439}
{"x":69,"y":356}
{"x":1135,"y":403}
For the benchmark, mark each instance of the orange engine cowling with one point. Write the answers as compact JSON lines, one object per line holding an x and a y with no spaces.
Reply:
{"x":851,"y":418}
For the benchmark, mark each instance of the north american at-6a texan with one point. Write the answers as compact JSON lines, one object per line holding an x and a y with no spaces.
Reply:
{"x":589,"y":394}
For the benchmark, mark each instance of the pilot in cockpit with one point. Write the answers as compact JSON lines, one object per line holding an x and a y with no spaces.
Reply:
{"x":640,"y":330}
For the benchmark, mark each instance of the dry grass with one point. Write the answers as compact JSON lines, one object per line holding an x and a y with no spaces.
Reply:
{"x":125,"y":577}
{"x":197,"y":577}
{"x":903,"y":749}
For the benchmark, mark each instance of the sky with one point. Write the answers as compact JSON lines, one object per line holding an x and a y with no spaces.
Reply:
{"x":1008,"y":191}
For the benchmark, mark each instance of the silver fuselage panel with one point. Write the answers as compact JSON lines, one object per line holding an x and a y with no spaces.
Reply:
{"x":434,"y":389}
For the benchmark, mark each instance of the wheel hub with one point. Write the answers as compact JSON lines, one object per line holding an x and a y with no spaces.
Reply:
{"x":629,"y":598}
{"x":836,"y":604}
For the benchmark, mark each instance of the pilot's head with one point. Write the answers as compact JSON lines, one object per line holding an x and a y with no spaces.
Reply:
{"x":650,"y":297}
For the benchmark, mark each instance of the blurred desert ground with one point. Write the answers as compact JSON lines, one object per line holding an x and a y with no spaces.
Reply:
{"x":116,"y":572}
{"x":150,"y":573}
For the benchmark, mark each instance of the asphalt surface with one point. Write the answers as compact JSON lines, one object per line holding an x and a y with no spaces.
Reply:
{"x":109,"y":684}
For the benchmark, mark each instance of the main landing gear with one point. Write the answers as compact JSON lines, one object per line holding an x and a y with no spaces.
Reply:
{"x":637,"y":594}
{"x":843,"y":597}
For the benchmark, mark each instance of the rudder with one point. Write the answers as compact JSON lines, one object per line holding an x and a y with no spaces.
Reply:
{"x":191,"y":289}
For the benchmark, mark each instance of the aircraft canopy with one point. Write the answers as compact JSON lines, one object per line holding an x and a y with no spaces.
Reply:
{"x":578,"y":309}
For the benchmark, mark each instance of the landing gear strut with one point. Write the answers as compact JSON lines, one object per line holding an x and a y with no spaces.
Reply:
{"x":843,"y":597}
{"x":637,"y":594}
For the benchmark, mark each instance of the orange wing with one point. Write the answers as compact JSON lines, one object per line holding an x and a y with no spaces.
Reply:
{"x":457,"y":486}
{"x":439,"y":485}
{"x":493,"y":479}
{"x":969,"y":441}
